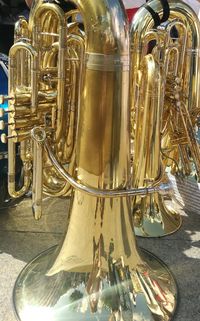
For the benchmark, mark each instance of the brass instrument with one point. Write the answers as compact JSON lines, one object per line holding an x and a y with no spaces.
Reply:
{"x":47,"y":96}
{"x":160,"y":97}
{"x":180,"y":142}
{"x":182,"y":98}
{"x":97,"y":273}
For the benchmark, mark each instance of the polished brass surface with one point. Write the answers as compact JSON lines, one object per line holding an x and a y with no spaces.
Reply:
{"x":45,"y":75}
{"x":151,"y":216}
{"x":97,"y":273}
{"x":164,"y":93}
{"x":75,"y":296}
{"x":41,"y":139}
{"x":180,"y":136}
{"x":182,"y":99}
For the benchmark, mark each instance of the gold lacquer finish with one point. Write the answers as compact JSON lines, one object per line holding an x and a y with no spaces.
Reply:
{"x":182,"y":98}
{"x":151,"y":217}
{"x":97,"y":273}
{"x":163,"y":96}
{"x":45,"y":76}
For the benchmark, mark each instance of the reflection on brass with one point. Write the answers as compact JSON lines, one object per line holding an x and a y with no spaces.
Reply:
{"x":164,"y":97}
{"x":181,"y":129}
{"x":101,"y":290}
{"x":75,"y":92}
{"x":45,"y":75}
{"x":150,"y":215}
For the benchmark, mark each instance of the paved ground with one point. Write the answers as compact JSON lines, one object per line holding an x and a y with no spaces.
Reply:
{"x":21,"y":239}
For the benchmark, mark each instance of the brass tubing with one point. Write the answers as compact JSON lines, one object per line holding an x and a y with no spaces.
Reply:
{"x":147,"y":160}
{"x":143,"y":21}
{"x":37,"y":175}
{"x":11,"y":144}
{"x":76,"y":94}
{"x":21,"y":29}
{"x":147,"y":96}
{"x":12,"y":172}
{"x":65,"y":190}
{"x":20,"y":123}
{"x":192,"y":142}
{"x":34,"y":70}
{"x":107,"y":65}
{"x":106,"y":266}
{"x":48,"y":20}
{"x":61,"y":55}
{"x":23,"y":150}
{"x":20,"y":112}
{"x":182,"y":121}
{"x":163,"y":188}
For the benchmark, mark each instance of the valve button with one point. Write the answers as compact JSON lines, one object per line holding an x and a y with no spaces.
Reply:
{"x":4,"y":139}
{"x":2,"y":112}
{"x":1,"y":99}
{"x":2,"y":125}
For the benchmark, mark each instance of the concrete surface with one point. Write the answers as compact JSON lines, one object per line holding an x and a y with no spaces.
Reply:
{"x":22,"y":238}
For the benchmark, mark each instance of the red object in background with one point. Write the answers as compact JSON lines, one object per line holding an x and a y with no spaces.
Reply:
{"x":130,"y":13}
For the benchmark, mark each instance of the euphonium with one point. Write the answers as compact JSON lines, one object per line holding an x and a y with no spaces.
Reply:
{"x":156,"y":99}
{"x":97,"y":273}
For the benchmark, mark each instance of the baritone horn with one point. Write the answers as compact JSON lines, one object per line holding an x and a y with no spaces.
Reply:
{"x":173,"y":45}
{"x":97,"y":273}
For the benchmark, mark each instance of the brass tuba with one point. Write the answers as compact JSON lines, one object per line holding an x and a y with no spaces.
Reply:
{"x":169,"y":96}
{"x":45,"y":76}
{"x":181,"y":121}
{"x":97,"y":273}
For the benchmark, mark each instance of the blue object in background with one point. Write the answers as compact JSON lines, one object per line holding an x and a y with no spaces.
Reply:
{"x":3,"y":91}
{"x":3,"y":147}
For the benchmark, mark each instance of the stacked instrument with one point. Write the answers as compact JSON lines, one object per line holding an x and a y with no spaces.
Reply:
{"x":99,"y":112}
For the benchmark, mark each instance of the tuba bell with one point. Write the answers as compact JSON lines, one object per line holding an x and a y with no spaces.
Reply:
{"x":97,"y":273}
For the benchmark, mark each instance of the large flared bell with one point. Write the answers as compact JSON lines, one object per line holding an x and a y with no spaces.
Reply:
{"x":153,"y":218}
{"x":97,"y":273}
